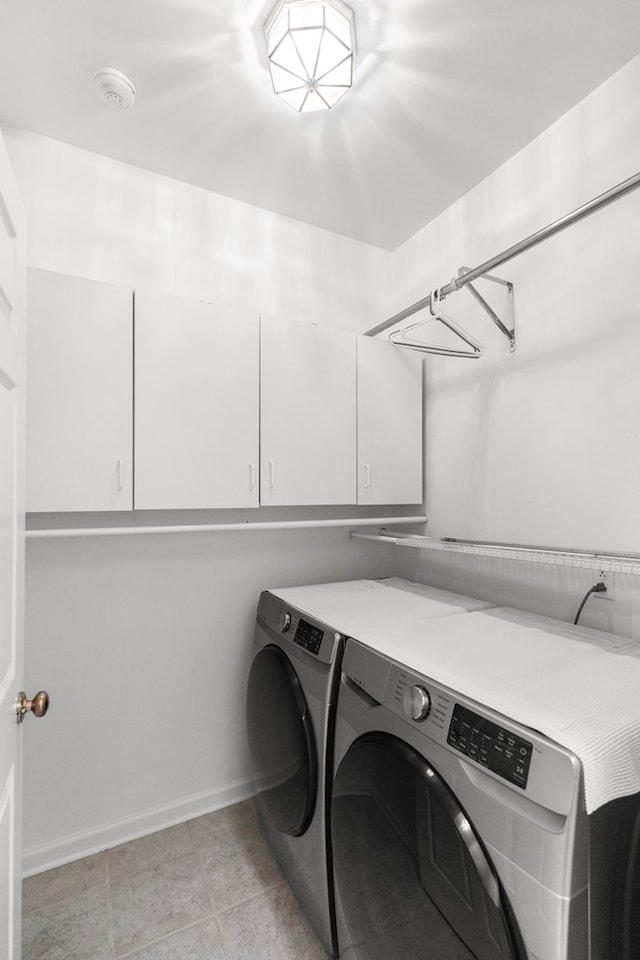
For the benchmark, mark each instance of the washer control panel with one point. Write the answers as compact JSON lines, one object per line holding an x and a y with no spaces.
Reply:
{"x":496,"y":748}
{"x":416,"y":702}
{"x":523,"y":760}
{"x":308,"y":636}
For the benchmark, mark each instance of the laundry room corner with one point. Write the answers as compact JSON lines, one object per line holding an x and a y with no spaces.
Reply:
{"x":536,"y":447}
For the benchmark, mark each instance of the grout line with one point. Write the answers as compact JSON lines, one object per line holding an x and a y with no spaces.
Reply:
{"x":60,"y":898}
{"x":110,"y":935}
{"x":280,"y":882}
{"x":151,"y":943}
{"x":222,"y":939}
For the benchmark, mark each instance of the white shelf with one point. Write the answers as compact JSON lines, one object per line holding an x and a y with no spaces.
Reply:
{"x":54,"y":533}
{"x":612,"y":563}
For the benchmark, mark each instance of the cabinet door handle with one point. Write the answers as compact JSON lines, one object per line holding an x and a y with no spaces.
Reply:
{"x":367,"y":475}
{"x":251,"y":477}
{"x":272,"y":473}
{"x":120,"y":474}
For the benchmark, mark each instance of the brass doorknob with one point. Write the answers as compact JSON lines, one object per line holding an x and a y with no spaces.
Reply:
{"x":38,"y":706}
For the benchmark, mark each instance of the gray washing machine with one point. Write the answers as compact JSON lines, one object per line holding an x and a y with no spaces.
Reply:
{"x":459,"y":834}
{"x":291,"y":703}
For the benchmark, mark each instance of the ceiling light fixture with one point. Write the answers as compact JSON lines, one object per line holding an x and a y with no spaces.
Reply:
{"x":310,"y":48}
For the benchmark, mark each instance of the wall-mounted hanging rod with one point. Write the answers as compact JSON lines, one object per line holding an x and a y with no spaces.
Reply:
{"x":615,"y":193}
{"x":584,"y":559}
{"x":250,"y":526}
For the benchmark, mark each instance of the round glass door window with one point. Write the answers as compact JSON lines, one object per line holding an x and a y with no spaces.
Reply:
{"x":412,"y":877}
{"x":281,"y":742}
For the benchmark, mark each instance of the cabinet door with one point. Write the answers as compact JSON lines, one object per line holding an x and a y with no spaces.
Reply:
{"x":308,"y":414}
{"x":196,"y":404}
{"x":389,"y":423}
{"x":80,"y":394}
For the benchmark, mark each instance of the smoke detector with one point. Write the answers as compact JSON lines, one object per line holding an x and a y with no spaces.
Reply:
{"x":114,"y":88}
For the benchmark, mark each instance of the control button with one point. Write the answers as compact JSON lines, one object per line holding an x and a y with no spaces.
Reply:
{"x":416,"y":703}
{"x":285,"y":622}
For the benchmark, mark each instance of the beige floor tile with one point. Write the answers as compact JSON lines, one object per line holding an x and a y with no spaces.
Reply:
{"x":62,"y":881}
{"x":235,"y":871}
{"x":157,"y":901}
{"x":199,"y":942}
{"x":269,"y":927}
{"x":76,"y":928}
{"x":239,"y":821}
{"x":146,"y":851}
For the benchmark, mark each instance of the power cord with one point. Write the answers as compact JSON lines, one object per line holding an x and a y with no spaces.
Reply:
{"x":599,"y":587}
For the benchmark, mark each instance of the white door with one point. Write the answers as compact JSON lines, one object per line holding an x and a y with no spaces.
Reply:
{"x":12,"y":316}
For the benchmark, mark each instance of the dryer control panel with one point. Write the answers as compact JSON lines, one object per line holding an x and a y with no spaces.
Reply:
{"x":308,"y":636}
{"x":287,"y":626}
{"x":496,"y":748}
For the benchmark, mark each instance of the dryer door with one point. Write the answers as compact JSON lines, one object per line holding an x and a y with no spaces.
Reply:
{"x":412,"y":877}
{"x":281,"y":742}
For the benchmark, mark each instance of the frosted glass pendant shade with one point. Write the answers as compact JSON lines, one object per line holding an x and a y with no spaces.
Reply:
{"x":310,"y":48}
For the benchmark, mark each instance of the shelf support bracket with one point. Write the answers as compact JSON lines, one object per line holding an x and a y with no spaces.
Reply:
{"x":507,"y":328}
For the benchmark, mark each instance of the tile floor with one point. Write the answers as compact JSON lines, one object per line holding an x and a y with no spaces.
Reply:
{"x":208,"y":889}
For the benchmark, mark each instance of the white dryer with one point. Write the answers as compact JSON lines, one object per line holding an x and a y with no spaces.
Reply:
{"x":291,"y":702}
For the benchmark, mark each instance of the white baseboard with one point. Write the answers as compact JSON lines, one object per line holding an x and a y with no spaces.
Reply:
{"x":74,"y":847}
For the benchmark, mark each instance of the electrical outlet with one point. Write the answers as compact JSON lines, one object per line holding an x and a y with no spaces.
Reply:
{"x":609,"y":580}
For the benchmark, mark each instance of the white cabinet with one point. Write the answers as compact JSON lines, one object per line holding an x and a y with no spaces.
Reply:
{"x":196,"y":404}
{"x":308,"y":414}
{"x":227,"y":413}
{"x":79,"y":394}
{"x":389,"y":423}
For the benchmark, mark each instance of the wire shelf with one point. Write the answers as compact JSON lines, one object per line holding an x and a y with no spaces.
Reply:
{"x":586,"y":560}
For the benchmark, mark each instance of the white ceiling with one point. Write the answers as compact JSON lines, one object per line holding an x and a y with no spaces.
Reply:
{"x":444,"y":91}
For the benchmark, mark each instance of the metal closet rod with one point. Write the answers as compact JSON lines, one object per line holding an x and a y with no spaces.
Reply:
{"x":615,"y":193}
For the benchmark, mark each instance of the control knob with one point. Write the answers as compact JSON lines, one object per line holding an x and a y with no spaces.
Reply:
{"x":285,"y":621}
{"x":417,"y":703}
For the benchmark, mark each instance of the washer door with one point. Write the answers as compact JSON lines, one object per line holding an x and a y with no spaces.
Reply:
{"x":412,"y":877}
{"x":281,"y":742}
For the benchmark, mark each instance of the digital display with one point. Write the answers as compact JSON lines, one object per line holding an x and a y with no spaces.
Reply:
{"x":308,"y":637}
{"x":495,"y":747}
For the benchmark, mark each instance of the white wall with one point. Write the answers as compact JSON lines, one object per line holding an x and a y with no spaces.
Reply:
{"x":540,"y":447}
{"x":97,"y":218}
{"x":144,"y":643}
